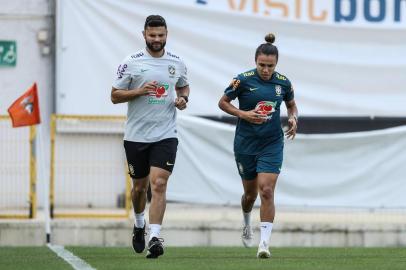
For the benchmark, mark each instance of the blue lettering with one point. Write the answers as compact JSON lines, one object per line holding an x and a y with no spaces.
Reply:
{"x":137,"y":55}
{"x":338,"y":16}
{"x":397,"y":10}
{"x":175,"y":56}
{"x":381,"y":14}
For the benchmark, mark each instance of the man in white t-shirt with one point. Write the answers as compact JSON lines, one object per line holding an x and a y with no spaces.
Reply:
{"x":153,"y":82}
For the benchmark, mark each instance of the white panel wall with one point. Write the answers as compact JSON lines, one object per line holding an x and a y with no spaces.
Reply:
{"x":21,"y":20}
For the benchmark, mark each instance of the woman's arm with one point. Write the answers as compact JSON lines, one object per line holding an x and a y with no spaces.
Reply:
{"x":250,"y":116}
{"x":292,"y":119}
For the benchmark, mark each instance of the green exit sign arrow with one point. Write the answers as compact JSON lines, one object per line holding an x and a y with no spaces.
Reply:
{"x":8,"y":53}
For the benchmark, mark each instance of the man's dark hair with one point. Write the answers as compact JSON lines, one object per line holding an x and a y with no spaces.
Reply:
{"x":154,"y":21}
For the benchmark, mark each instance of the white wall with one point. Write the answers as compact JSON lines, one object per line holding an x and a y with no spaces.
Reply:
{"x":21,"y":20}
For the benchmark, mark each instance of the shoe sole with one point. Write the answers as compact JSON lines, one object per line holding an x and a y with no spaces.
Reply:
{"x":263,"y":255}
{"x":154,"y":252}
{"x":138,"y":250}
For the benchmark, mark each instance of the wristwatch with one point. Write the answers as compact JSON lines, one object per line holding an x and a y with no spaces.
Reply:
{"x":186,"y":98}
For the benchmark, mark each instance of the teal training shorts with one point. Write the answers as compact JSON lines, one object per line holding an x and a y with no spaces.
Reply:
{"x":269,"y":160}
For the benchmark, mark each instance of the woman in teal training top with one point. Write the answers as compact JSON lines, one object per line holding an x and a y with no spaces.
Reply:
{"x":258,"y":142}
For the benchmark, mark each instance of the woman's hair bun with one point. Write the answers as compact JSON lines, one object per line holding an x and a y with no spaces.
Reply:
{"x":270,"y":38}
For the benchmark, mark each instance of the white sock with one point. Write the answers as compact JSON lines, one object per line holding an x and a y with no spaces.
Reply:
{"x":266,"y":230}
{"x":154,"y":230}
{"x":247,"y":218}
{"x":139,"y":220}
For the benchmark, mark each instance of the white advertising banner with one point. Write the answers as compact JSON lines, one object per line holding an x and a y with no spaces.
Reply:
{"x":363,"y":169}
{"x":344,"y":57}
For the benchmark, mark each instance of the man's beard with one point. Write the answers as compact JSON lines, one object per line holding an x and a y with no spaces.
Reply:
{"x":155,"y":49}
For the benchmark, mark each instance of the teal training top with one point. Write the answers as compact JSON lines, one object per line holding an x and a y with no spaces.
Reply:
{"x":265,"y":95}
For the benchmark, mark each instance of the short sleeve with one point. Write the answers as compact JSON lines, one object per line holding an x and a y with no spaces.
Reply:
{"x":182,"y":81}
{"x":289,"y":95}
{"x":122,"y":79}
{"x":233,"y":89}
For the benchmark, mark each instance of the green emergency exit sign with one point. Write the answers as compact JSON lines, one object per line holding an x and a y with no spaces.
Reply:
{"x":8,"y":53}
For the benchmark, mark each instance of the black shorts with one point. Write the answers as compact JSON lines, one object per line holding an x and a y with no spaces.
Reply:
{"x":141,"y":156}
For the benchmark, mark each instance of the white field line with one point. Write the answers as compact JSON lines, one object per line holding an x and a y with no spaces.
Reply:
{"x":76,"y":262}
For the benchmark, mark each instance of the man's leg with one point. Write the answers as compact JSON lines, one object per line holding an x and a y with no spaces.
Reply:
{"x":159,"y":179}
{"x":266,"y":185}
{"x":139,"y":199}
{"x":162,"y":160}
{"x":138,"y":167}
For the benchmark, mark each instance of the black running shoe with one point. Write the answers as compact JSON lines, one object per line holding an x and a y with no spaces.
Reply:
{"x":139,"y":239}
{"x":155,"y":248}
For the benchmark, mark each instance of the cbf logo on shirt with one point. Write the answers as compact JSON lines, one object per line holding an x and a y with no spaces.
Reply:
{"x":278,"y":90}
{"x":159,"y":95}
{"x":172,"y":71}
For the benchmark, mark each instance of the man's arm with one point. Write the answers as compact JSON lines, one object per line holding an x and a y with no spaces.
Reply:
{"x":182,"y":98}
{"x":120,"y":95}
{"x":183,"y":91}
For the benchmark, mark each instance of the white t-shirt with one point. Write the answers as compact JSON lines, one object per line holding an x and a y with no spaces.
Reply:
{"x":151,"y":118}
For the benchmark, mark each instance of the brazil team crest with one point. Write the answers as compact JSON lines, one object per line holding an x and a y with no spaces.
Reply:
{"x":278,"y":90}
{"x":172,"y":71}
{"x":131,"y":169}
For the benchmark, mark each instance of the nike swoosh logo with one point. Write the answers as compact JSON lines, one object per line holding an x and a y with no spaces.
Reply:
{"x":253,"y":89}
{"x":169,"y":164}
{"x":143,"y":70}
